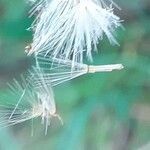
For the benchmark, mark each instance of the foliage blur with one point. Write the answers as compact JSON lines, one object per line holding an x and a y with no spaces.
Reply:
{"x":103,"y":111}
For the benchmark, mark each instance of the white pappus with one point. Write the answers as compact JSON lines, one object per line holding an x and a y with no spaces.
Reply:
{"x":56,"y":71}
{"x":72,"y":27}
{"x":33,"y":102}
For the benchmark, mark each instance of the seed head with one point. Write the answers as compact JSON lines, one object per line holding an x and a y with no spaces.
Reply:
{"x":71,"y":28}
{"x":32,"y":102}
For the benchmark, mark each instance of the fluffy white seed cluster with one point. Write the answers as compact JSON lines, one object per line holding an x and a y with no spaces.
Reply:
{"x":71,"y":27}
{"x":63,"y":31}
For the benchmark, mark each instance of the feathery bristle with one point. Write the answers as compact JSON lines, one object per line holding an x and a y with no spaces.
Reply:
{"x":38,"y":102}
{"x":71,"y":27}
{"x":56,"y":71}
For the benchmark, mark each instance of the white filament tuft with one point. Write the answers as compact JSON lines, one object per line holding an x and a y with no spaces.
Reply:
{"x":38,"y":102}
{"x":71,"y":27}
{"x":56,"y":71}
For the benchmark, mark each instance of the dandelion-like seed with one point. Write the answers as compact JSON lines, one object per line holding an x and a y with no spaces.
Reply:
{"x":63,"y":31}
{"x":56,"y":71}
{"x":71,"y":27}
{"x":38,"y":102}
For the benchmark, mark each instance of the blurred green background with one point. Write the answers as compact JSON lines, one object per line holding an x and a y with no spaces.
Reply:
{"x":106,"y":111}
